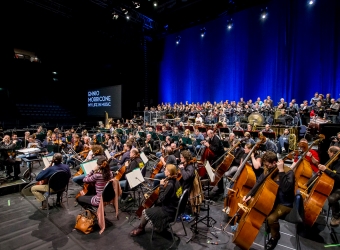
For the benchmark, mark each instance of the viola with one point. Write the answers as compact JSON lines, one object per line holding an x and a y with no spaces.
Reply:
{"x":119,"y":154}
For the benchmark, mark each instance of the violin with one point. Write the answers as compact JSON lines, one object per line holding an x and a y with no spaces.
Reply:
{"x":119,"y":154}
{"x":75,"y":145}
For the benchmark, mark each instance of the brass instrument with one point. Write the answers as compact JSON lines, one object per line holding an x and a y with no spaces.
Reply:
{"x":292,"y":142}
{"x":107,"y":120}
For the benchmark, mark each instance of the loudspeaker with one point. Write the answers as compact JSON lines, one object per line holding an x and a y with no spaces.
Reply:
{"x":328,"y":130}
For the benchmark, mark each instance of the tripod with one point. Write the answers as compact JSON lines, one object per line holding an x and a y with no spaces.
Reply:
{"x":207,"y":220}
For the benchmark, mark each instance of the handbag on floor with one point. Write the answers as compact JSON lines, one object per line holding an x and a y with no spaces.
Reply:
{"x":85,"y":222}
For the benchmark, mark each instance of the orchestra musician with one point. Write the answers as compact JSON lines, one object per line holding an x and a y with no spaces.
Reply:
{"x":117,"y":163}
{"x":166,"y":158}
{"x":165,"y":207}
{"x":283,"y":142}
{"x":39,"y":190}
{"x":149,"y":145}
{"x":285,"y":118}
{"x":214,"y":143}
{"x":77,"y":147}
{"x":99,"y":176}
{"x":334,"y":172}
{"x":134,"y":162}
{"x":314,"y":99}
{"x":311,"y":156}
{"x":319,"y":110}
{"x":335,"y":140}
{"x":7,"y":157}
{"x":237,"y":126}
{"x":95,"y":153}
{"x":284,"y":198}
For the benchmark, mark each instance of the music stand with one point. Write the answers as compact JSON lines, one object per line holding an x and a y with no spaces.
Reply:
{"x":174,"y":138}
{"x":209,"y":220}
{"x":191,"y":128}
{"x":280,"y":121}
{"x":134,"y":179}
{"x":225,"y":130}
{"x":202,"y":129}
{"x":142,"y":134}
{"x":192,"y":120}
{"x":238,"y":133}
{"x":270,"y":135}
{"x":254,"y":134}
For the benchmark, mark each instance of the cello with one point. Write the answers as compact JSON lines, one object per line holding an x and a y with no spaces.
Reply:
{"x":302,"y":169}
{"x":320,"y":188}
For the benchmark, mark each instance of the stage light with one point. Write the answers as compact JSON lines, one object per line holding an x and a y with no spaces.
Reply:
{"x":230,"y":24}
{"x":203,"y":30}
{"x":178,"y":39}
{"x":127,"y":17}
{"x":125,"y":11}
{"x":264,"y":13}
{"x":114,"y":15}
{"x":311,"y":2}
{"x":155,"y":3}
{"x":136,"y":4}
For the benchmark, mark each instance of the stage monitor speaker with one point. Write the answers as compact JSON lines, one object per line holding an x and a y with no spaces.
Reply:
{"x":329,"y":130}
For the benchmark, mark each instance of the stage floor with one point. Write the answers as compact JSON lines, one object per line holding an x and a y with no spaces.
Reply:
{"x":23,"y":226}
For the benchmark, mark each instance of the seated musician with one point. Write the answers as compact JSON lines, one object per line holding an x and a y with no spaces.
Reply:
{"x":268,"y":145}
{"x":283,"y":142}
{"x":167,"y":158}
{"x":311,"y":156}
{"x":99,"y":176}
{"x":165,"y":207}
{"x":215,"y":145}
{"x":284,"y":197}
{"x":149,"y":145}
{"x":107,"y":143}
{"x":247,"y":139}
{"x":286,"y":119}
{"x":230,"y":140}
{"x":196,"y":136}
{"x":335,"y":140}
{"x":237,"y":126}
{"x":334,"y":172}
{"x":117,"y":162}
{"x":333,"y":111}
{"x":39,"y":190}
{"x":117,"y":146}
{"x":267,"y":129}
{"x":7,"y":157}
{"x":187,"y":168}
{"x":239,"y":153}
{"x":95,"y":153}
{"x":134,"y":162}
{"x":77,"y":147}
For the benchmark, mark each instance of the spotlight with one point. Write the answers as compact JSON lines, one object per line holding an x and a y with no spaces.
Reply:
{"x":155,"y":3}
{"x":230,"y":24}
{"x":311,"y":2}
{"x":114,"y":15}
{"x":125,"y":11}
{"x":178,"y":39}
{"x":136,"y":4}
{"x":264,"y":13}
{"x":203,"y":30}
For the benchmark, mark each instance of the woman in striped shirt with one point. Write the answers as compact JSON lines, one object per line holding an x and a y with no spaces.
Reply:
{"x":97,"y":178}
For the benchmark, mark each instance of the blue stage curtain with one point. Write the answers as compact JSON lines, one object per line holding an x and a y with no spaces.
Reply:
{"x":294,"y":53}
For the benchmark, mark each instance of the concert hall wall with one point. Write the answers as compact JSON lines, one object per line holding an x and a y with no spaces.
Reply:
{"x":292,"y":54}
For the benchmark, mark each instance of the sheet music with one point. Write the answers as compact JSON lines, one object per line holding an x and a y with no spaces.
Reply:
{"x":144,"y":158}
{"x":47,"y":160}
{"x":210,"y":172}
{"x":88,"y":166}
{"x":135,"y":178}
{"x":29,"y":150}
{"x":107,"y":154}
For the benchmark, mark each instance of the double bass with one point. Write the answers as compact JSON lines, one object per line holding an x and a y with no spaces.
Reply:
{"x":320,"y":188}
{"x":225,"y":165}
{"x":302,"y":169}
{"x":243,"y":180}
{"x":258,"y":210}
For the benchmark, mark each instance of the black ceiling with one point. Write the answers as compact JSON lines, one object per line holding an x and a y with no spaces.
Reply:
{"x":168,"y":17}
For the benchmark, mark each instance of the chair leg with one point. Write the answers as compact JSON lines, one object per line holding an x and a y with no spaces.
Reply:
{"x":173,"y":238}
{"x":297,"y":237}
{"x":185,"y":231}
{"x":152,"y":233}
